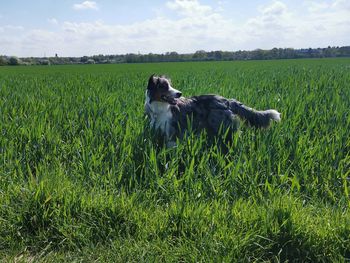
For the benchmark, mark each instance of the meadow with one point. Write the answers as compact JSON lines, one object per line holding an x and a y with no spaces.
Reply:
{"x":81,"y":178}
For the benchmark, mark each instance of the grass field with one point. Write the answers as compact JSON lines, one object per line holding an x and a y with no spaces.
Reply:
{"x":81,"y":180}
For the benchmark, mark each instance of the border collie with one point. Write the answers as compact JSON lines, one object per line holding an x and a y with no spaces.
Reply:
{"x":171,"y":114}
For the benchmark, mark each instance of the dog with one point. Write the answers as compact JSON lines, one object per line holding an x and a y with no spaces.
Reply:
{"x":171,"y":114}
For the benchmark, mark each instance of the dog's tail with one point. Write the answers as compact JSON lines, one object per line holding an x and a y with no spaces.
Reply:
{"x":259,"y":119}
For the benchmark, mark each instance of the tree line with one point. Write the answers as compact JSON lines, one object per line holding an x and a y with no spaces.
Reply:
{"x":200,"y":55}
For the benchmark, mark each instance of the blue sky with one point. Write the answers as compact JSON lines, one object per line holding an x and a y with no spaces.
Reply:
{"x":79,"y":27}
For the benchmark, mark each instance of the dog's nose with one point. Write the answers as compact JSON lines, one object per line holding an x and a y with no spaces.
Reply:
{"x":178,"y":94}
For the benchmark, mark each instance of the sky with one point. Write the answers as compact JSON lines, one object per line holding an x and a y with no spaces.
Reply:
{"x":78,"y":27}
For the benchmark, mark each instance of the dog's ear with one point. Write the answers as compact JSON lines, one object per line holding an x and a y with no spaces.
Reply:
{"x":151,"y":81}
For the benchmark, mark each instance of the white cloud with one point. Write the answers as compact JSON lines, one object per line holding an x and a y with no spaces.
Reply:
{"x":198,"y":26}
{"x":276,"y":8}
{"x":326,"y":23}
{"x":11,"y":28}
{"x":313,"y":6}
{"x":342,"y":4}
{"x":327,"y":6}
{"x":9,"y":39}
{"x":53,"y":21}
{"x":272,"y":27}
{"x":86,"y":5}
{"x":189,"y":7}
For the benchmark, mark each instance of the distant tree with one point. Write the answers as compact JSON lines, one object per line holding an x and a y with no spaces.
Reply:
{"x":84,"y":59}
{"x":274,"y":53}
{"x":200,"y":55}
{"x":13,"y":61}
{"x":45,"y":62}
{"x":90,"y":61}
{"x":131,"y":58}
{"x":258,"y":54}
{"x":28,"y":61}
{"x":150,"y":57}
{"x":329,"y":51}
{"x":344,"y":51}
{"x":173,"y":56}
{"x":289,"y":53}
{"x":3,"y":61}
{"x":218,"y":55}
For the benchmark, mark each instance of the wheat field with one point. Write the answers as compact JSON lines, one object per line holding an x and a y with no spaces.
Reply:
{"x":82,"y":179}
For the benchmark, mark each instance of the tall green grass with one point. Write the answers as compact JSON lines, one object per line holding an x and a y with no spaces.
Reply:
{"x":82,"y":179}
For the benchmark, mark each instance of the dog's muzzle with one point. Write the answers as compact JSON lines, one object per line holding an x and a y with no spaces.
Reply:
{"x":171,"y":99}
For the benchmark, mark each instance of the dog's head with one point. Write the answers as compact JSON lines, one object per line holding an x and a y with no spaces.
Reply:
{"x":159,"y":89}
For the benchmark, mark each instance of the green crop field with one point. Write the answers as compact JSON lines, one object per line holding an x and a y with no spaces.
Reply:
{"x":82,"y":179}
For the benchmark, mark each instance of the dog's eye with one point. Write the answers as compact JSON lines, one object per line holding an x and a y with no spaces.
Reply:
{"x":164,"y":87}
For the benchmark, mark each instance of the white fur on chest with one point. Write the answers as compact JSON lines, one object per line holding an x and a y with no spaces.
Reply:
{"x":161,"y":116}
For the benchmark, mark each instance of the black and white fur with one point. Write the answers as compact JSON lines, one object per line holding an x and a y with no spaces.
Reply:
{"x":170,"y":113}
